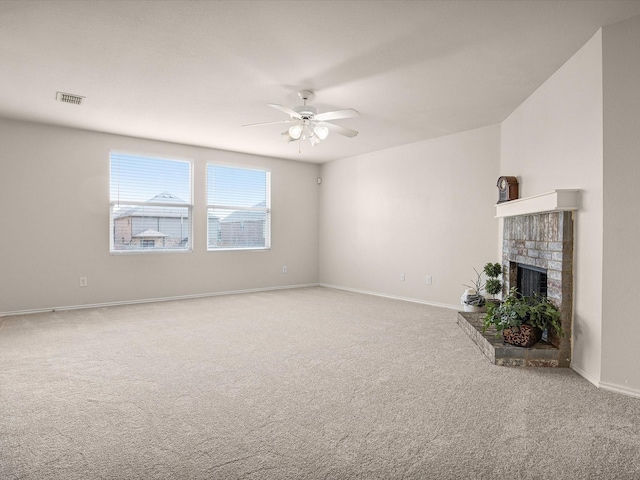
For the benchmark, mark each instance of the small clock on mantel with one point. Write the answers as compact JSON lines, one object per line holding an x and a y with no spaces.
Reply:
{"x":507,"y":189}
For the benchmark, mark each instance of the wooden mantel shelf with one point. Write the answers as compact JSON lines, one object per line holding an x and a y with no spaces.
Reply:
{"x":545,"y":202}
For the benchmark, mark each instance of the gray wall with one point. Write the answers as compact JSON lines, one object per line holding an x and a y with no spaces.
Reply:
{"x":553,"y":140}
{"x":54,"y":192}
{"x":424,"y":209}
{"x":621,"y":276}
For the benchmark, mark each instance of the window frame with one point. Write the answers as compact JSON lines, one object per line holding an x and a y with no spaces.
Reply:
{"x":266,"y":209}
{"x":188,"y":205}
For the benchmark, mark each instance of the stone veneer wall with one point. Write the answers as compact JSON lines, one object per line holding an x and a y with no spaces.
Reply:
{"x":544,"y":240}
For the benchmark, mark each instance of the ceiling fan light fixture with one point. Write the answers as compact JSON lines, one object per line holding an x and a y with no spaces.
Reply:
{"x":321,"y":131}
{"x":306,"y":123}
{"x":295,"y":131}
{"x":286,"y":137}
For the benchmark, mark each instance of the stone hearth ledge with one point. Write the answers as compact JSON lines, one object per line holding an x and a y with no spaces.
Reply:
{"x":542,"y":354}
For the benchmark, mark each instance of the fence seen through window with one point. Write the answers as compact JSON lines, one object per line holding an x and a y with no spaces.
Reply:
{"x":238,"y":208}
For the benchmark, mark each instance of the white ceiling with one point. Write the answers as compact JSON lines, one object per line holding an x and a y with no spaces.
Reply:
{"x":193,"y":72}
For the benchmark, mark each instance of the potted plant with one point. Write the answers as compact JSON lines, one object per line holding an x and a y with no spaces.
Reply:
{"x":493,"y":286}
{"x":521,"y":320}
{"x":472,"y":299}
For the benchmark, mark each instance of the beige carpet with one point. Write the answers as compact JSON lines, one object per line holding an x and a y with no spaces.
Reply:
{"x":308,"y":383}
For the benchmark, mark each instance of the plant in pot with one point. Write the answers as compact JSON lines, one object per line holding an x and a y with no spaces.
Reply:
{"x":521,"y":320}
{"x":493,"y":286}
{"x":472,"y":299}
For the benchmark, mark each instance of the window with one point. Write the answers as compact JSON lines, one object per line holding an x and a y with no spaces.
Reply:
{"x":238,"y":208}
{"x":151,"y":202}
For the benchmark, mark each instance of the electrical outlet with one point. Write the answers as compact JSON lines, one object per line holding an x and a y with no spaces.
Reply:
{"x":284,"y":269}
{"x":429,"y":280}
{"x":83,"y":281}
{"x":402,"y":277}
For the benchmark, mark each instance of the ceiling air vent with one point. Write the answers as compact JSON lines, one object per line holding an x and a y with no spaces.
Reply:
{"x":69,"y":98}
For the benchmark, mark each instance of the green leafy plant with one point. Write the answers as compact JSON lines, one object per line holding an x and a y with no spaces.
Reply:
{"x":493,"y":270}
{"x":493,"y":286}
{"x":516,"y":310}
{"x":544,"y":315}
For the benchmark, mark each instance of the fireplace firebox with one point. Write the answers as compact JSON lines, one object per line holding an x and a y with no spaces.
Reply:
{"x":531,"y":281}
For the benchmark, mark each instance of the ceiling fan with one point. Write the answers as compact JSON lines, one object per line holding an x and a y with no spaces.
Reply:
{"x":307,"y":123}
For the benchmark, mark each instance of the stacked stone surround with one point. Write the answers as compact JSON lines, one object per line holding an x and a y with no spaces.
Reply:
{"x":544,"y":240}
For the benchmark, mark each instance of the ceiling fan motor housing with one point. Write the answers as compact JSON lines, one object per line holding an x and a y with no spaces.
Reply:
{"x":307,"y":112}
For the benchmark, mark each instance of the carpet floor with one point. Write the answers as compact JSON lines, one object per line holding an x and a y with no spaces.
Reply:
{"x":309,"y":383}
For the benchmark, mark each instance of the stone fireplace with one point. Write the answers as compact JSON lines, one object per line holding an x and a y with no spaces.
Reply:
{"x":538,"y":234}
{"x":544,"y":241}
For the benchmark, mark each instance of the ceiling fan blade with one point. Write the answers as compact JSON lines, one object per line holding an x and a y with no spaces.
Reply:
{"x":347,"y":113}
{"x":269,"y":123}
{"x":347,"y":132}
{"x":286,"y":110}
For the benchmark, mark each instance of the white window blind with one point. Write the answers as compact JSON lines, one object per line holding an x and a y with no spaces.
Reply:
{"x":150,"y":204}
{"x":238,"y":208}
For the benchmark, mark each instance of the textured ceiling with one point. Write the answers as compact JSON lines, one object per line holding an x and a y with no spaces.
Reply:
{"x":193,"y":72}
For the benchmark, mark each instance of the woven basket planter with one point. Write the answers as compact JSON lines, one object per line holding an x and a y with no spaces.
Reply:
{"x":525,"y":336}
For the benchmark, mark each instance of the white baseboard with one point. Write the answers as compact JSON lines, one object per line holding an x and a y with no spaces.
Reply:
{"x":394,"y":297}
{"x":151,"y":300}
{"x":631,"y":392}
{"x":588,"y":377}
{"x":624,"y":390}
